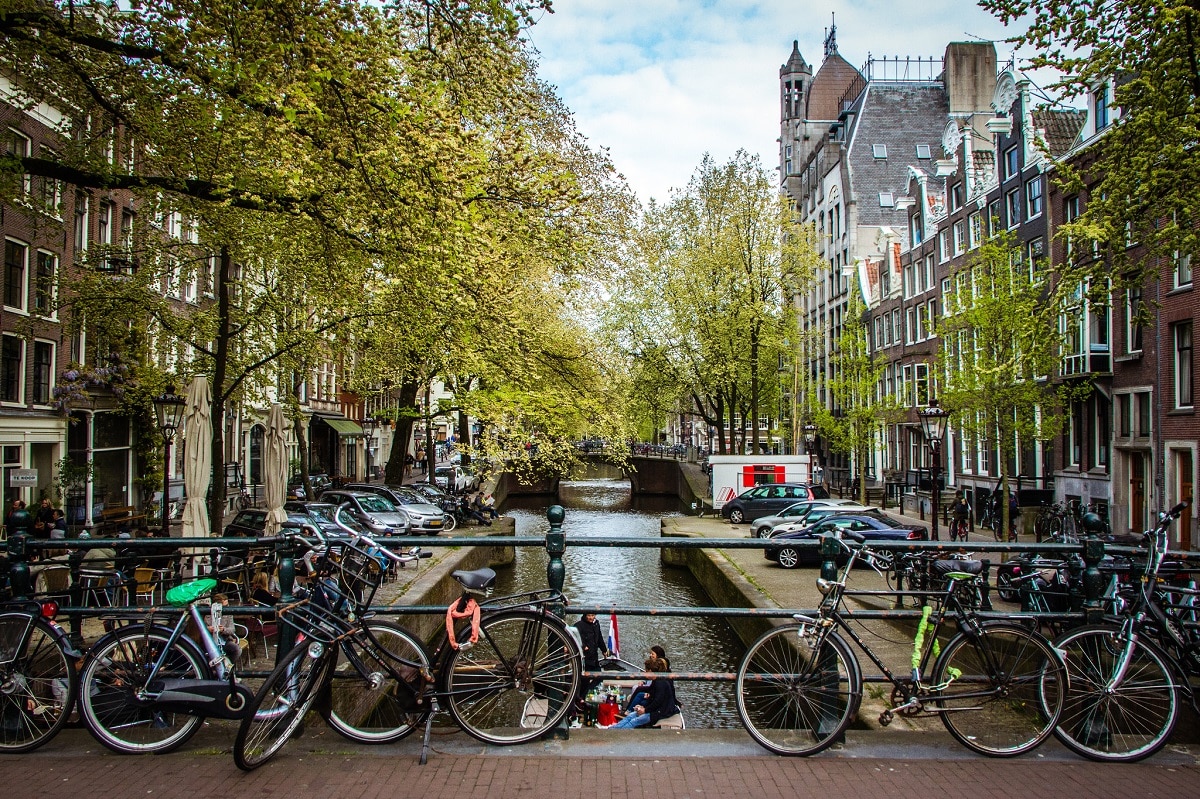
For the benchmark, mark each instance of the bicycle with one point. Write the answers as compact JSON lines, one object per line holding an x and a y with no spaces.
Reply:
{"x":38,"y":681}
{"x":1127,"y":675}
{"x":516,"y":681}
{"x":998,"y":687}
{"x":147,"y":687}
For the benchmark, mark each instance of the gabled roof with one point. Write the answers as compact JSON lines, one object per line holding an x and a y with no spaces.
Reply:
{"x":1060,"y":126}
{"x":835,"y":76}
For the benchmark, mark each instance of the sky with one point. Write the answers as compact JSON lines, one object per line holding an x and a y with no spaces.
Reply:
{"x":661,"y":82}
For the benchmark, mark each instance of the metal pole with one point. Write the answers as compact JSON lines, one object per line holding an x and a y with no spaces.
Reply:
{"x":166,"y":514}
{"x":936,"y":472}
{"x":556,"y":573}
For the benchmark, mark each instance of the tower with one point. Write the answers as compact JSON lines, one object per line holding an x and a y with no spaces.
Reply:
{"x":794,"y":78}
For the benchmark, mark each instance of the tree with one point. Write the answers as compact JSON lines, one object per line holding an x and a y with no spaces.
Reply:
{"x":1142,"y":185}
{"x":704,"y":295}
{"x":860,"y":407}
{"x":1000,"y":341}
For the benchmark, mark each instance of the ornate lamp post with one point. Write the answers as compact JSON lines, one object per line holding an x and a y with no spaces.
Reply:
{"x":169,"y":407}
{"x":933,"y":424}
{"x":368,"y":425}
{"x":810,"y":448}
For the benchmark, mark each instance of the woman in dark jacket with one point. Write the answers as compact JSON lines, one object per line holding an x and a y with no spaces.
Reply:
{"x":661,"y":703}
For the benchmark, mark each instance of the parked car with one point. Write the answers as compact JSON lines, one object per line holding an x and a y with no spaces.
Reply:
{"x":762,"y":526}
{"x":252,"y":522}
{"x":319,"y":481}
{"x":815,"y":515}
{"x":322,"y":514}
{"x":765,"y":500}
{"x":455,"y":478}
{"x":372,"y":511}
{"x":424,"y":517}
{"x":431,"y":491}
{"x":872,"y":527}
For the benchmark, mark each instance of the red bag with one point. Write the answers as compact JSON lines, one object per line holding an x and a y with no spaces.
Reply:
{"x":608,"y":713}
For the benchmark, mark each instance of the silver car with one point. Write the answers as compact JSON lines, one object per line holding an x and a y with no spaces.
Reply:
{"x":762,"y":526}
{"x":378,"y":515}
{"x":424,"y":517}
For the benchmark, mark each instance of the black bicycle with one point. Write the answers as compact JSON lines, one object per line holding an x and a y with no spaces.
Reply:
{"x":38,"y":682}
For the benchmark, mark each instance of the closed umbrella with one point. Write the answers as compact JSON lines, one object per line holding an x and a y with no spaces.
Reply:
{"x":275,"y":469}
{"x":197,"y":461}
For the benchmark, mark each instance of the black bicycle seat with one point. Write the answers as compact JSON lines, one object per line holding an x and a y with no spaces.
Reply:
{"x":476,"y":579}
{"x":958,"y":565}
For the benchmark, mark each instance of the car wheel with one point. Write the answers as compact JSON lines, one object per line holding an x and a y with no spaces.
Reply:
{"x":788,"y":558}
{"x":760,"y":532}
{"x":1004,"y":587}
{"x":736,"y":516}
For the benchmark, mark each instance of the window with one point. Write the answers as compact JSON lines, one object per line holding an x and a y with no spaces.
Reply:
{"x":956,"y":197}
{"x":1033,"y":197}
{"x":960,"y":237}
{"x":43,"y":287}
{"x":878,"y":333}
{"x":1011,"y":163}
{"x":1075,"y":435}
{"x":923,"y":152}
{"x":943,"y":245}
{"x":12,"y":358}
{"x":994,"y":223}
{"x":910,"y":284}
{"x":49,"y":190}
{"x":896,"y":323}
{"x":1014,"y":207}
{"x":879,"y":150}
{"x":1133,"y":328}
{"x":1183,"y":365}
{"x":16,"y":145}
{"x":928,"y":272}
{"x":1183,"y":270}
{"x":1101,"y":107}
{"x":921,"y":379}
{"x":104,"y":223}
{"x":1125,"y":414}
{"x":945,"y":296}
{"x":16,"y":256}
{"x":1102,"y":436}
{"x":975,"y":229}
{"x":43,"y":371}
{"x":1143,"y":411}
{"x":1070,"y":214}
{"x":916,"y":229}
{"x":887,"y":200}
{"x":910,"y":327}
{"x":1037,"y":251}
{"x":81,"y":223}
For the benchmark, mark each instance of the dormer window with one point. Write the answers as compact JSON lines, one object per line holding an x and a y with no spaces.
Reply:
{"x":887,"y":199}
{"x":879,"y":150}
{"x":923,"y":152}
{"x":1102,"y":120}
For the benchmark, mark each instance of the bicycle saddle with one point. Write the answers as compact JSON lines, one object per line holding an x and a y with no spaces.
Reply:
{"x":475,"y":580}
{"x":958,"y":565}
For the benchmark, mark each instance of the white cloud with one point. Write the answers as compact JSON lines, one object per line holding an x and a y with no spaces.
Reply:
{"x":661,"y":82}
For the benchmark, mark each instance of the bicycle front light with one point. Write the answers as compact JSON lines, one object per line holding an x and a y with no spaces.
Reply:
{"x":316,"y":649}
{"x":824,"y":586}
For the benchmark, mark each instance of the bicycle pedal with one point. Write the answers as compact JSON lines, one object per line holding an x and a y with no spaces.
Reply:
{"x":885,"y":718}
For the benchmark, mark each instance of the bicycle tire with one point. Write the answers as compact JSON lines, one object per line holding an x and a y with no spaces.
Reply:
{"x":793,"y":699}
{"x":116,"y":669}
{"x":1128,"y":723}
{"x":377,"y":709}
{"x":279,"y":707}
{"x":521,"y":656}
{"x":449,"y":522}
{"x":1006,"y":689}
{"x":40,"y":686}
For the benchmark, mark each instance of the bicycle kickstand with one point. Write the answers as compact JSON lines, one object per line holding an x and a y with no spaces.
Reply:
{"x":425,"y":741}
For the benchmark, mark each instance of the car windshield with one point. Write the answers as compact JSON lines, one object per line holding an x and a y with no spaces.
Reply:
{"x":375,"y":504}
{"x":408,"y":495}
{"x":322,"y":513}
{"x":799,"y":509}
{"x":819,"y":492}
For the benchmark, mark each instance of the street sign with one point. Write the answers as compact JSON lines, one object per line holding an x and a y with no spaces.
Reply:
{"x":22,"y":477}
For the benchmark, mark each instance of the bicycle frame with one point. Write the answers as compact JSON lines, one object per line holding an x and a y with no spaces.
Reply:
{"x":217,"y":659}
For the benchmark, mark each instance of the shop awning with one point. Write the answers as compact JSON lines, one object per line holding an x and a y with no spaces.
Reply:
{"x":345,"y":427}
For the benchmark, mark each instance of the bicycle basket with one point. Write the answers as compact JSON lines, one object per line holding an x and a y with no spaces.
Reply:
{"x":315,"y":622}
{"x":349,"y":574}
{"x":13,"y":629}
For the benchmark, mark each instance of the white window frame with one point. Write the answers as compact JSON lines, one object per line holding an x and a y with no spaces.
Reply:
{"x":1184,"y":373}
{"x":53,"y":371}
{"x":26,"y":179}
{"x":53,"y":298}
{"x":960,"y":237}
{"x":1183,"y":270}
{"x":887,"y":199}
{"x":879,"y":151}
{"x":1012,"y":202}
{"x":923,"y":152}
{"x":1012,"y":163}
{"x":23,"y":308}
{"x":943,"y":245}
{"x":1130,"y":327}
{"x":21,"y":369}
{"x":975,"y":230}
{"x":1035,"y":201}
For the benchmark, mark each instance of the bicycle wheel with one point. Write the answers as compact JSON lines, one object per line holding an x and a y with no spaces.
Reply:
{"x":281,"y":703}
{"x":524,"y":664}
{"x":116,"y":671}
{"x":449,"y":522}
{"x":38,"y":685}
{"x":795,"y":697}
{"x":1129,"y":722}
{"x":1002,"y":689}
{"x":380,"y":707}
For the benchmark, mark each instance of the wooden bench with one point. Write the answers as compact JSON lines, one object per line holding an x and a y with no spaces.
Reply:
{"x":116,"y":520}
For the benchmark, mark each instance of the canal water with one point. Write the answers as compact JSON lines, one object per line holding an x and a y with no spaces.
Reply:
{"x":603,"y":576}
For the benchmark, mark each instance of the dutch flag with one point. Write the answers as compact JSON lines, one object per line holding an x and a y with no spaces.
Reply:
{"x":614,"y":640}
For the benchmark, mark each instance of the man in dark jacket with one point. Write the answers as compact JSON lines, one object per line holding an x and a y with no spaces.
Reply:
{"x":592,"y":638}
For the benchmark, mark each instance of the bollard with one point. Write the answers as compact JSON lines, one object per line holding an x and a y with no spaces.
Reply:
{"x":18,"y":523}
{"x":1093,"y":580}
{"x":556,"y":545}
{"x":829,"y":552}
{"x":286,"y":552}
{"x":556,"y":575}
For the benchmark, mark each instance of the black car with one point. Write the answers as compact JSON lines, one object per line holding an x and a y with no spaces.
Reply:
{"x":765,"y":500}
{"x":252,"y":522}
{"x":872,"y":527}
{"x":322,"y":514}
{"x":319,"y":481}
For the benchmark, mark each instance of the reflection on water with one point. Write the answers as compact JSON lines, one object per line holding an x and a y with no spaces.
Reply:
{"x":606,"y":576}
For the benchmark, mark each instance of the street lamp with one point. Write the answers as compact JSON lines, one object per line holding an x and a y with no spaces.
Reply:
{"x":933,"y":424}
{"x":810,"y":447}
{"x":169,"y":407}
{"x":368,"y":425}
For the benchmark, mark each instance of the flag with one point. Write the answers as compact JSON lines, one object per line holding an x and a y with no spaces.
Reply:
{"x":614,"y":641}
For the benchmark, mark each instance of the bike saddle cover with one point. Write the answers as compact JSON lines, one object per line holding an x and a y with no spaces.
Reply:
{"x":958,"y":565}
{"x":475,"y":580}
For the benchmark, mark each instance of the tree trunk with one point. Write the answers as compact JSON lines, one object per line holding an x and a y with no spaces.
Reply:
{"x":216,"y":502}
{"x":754,"y":390}
{"x":393,"y":473}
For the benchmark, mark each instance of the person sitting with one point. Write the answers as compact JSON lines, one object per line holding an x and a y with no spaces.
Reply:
{"x":642,"y":693}
{"x":659,"y":705}
{"x":468,"y":510}
{"x":486,"y":506}
{"x":260,"y":589}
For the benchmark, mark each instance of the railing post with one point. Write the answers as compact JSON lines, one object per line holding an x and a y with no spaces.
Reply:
{"x":75,"y":563}
{"x":556,"y":545}
{"x":287,"y":579}
{"x":18,"y":553}
{"x":1093,"y":580}
{"x":985,"y":603}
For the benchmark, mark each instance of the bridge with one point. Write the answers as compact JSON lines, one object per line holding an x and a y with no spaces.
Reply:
{"x":649,"y":475}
